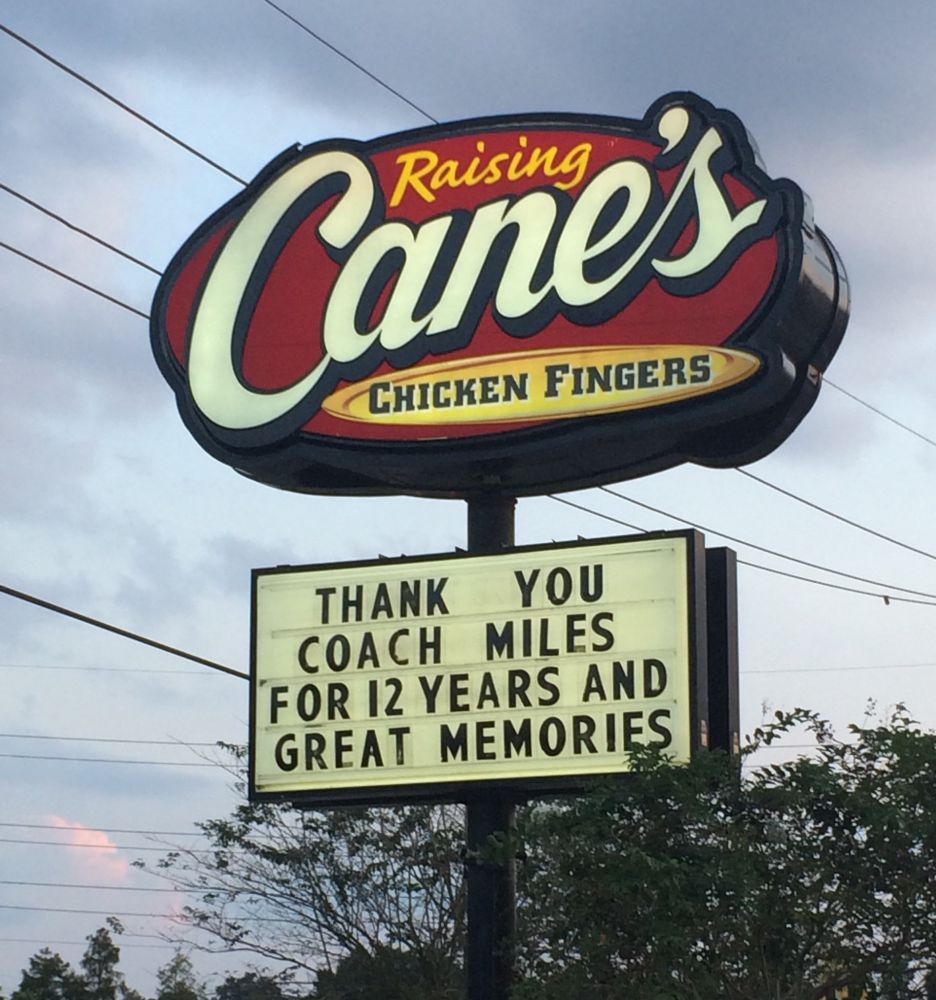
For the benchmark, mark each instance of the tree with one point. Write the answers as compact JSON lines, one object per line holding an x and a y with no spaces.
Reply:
{"x":102,"y":981}
{"x":388,"y":973}
{"x":312,"y":887}
{"x":793,"y":881}
{"x":177,"y":980}
{"x":49,"y":977}
{"x":249,"y":986}
{"x":800,"y":881}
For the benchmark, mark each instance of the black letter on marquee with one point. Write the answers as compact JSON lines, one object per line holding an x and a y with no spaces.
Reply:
{"x":286,"y":754}
{"x":454,"y":745}
{"x":502,"y":642}
{"x":276,"y":702}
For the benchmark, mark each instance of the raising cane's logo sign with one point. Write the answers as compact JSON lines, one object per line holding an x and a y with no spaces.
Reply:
{"x":512,"y":304}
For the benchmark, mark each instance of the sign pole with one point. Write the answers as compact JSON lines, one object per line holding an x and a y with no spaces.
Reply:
{"x":491,"y":886}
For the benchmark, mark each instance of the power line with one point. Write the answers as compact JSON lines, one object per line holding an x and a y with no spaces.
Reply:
{"x":109,"y":760}
{"x":768,"y":551}
{"x":109,"y":847}
{"x":127,"y":671}
{"x":589,"y":510}
{"x":102,"y":739}
{"x":78,"y":229}
{"x":124,"y":633}
{"x":886,"y":598}
{"x":99,"y":913}
{"x":831,"y":513}
{"x":106,"y":829}
{"x":343,"y":55}
{"x":58,"y":944}
{"x":120,"y":104}
{"x":93,"y":847}
{"x":830,"y":670}
{"x":82,"y":885}
{"x":742,"y":562}
{"x":116,"y":913}
{"x":74,"y":281}
{"x":879,"y":412}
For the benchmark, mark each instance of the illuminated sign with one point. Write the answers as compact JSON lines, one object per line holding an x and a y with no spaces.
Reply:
{"x":515,"y":304}
{"x":410,"y":678}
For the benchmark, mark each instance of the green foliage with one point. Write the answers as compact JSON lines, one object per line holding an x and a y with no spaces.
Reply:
{"x":249,"y":986}
{"x":389,"y":974}
{"x":177,"y":980}
{"x":102,"y":981}
{"x":792,"y":881}
{"x":688,"y":882}
{"x":312,"y":887}
{"x":49,"y":977}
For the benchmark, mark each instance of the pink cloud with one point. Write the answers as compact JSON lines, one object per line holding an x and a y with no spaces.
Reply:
{"x":93,"y":851}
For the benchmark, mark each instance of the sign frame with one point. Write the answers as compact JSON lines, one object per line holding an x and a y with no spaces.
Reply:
{"x":446,"y":790}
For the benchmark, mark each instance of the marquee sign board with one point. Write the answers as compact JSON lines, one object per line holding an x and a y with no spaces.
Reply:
{"x":516,"y":305}
{"x":414,"y":678}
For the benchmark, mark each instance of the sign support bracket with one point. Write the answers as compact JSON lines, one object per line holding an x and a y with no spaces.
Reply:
{"x":491,"y":884}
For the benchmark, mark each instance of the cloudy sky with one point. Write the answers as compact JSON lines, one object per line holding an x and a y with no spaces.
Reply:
{"x":109,"y":507}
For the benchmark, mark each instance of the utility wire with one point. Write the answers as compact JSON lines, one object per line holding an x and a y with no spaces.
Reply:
{"x":886,"y":598}
{"x":805,"y":579}
{"x":838,"y":517}
{"x":880,"y":413}
{"x":101,"y":913}
{"x":124,"y":633}
{"x":112,"y":847}
{"x":113,"y":913}
{"x":123,"y":943}
{"x":80,"y":885}
{"x":589,"y":510}
{"x":120,"y":104}
{"x":78,"y":229}
{"x":111,"y":670}
{"x":343,"y":55}
{"x":106,"y":829}
{"x":102,"y":739}
{"x":768,"y":551}
{"x":97,"y":847}
{"x":109,"y":760}
{"x":829,"y":670}
{"x":74,"y":281}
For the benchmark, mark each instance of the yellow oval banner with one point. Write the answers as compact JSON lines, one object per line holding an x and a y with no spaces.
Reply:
{"x":541,"y":385}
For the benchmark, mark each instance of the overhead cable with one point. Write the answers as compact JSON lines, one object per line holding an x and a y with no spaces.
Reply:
{"x":124,"y":633}
{"x":106,"y":829}
{"x":804,"y":579}
{"x":829,"y":670}
{"x":879,"y":412}
{"x":768,"y":551}
{"x":343,"y":55}
{"x":83,"y":885}
{"x":78,"y":229}
{"x":74,"y":281}
{"x":109,"y":760}
{"x":831,"y":513}
{"x":99,"y":847}
{"x":102,"y":739}
{"x":120,"y":104}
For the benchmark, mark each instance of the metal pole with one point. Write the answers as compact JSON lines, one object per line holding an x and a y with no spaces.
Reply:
{"x":492,"y":887}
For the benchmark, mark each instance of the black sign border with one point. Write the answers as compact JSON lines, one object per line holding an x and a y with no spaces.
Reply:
{"x":516,"y":788}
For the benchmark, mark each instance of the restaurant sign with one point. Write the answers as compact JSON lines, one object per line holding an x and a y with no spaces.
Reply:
{"x":534,"y":668}
{"x":517,"y":305}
